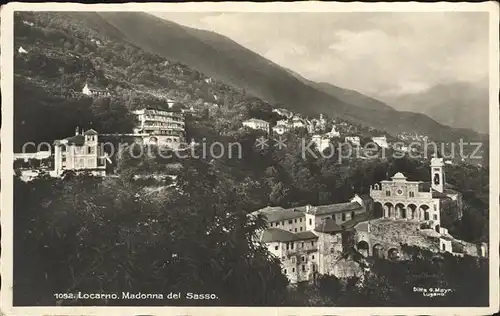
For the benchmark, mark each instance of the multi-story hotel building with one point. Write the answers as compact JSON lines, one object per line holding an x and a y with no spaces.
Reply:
{"x":162,"y":128}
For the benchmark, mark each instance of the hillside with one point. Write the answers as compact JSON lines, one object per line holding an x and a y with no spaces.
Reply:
{"x":225,"y":60}
{"x":235,"y":67}
{"x":459,"y":104}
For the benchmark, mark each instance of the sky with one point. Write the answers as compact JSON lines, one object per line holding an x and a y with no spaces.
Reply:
{"x":381,"y":54}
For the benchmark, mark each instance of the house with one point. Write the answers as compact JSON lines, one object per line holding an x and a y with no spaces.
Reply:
{"x":95,"y":91}
{"x":353,"y":140}
{"x":381,"y":141}
{"x":280,"y":129}
{"x":170,"y":103}
{"x":257,"y":124}
{"x":80,"y":153}
{"x":297,"y":122}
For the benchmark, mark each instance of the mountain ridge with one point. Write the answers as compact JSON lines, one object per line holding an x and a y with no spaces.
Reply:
{"x":222,"y":58}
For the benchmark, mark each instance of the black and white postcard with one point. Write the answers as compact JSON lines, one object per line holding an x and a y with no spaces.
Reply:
{"x":302,"y":158}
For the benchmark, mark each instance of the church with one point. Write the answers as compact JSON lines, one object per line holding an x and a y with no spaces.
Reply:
{"x":401,"y":199}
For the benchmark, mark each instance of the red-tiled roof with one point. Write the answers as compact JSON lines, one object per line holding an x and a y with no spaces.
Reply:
{"x":335,"y":208}
{"x":274,"y":214}
{"x":276,"y":234}
{"x":77,"y":140}
{"x":306,"y":235}
{"x":90,"y":132}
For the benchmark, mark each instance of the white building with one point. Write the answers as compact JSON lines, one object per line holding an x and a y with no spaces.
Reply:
{"x":95,"y":91}
{"x":162,"y":128}
{"x":21,"y":50}
{"x":258,"y":124}
{"x":283,"y":112}
{"x":353,"y":140}
{"x":322,"y":142}
{"x":80,"y":153}
{"x":297,"y":122}
{"x":39,"y":155}
{"x":381,"y":141}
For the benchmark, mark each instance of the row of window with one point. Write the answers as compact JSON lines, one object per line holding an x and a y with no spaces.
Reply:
{"x":290,"y":245}
{"x":290,"y":221}
{"x":83,"y":163}
{"x":304,"y":269}
{"x":410,"y":194}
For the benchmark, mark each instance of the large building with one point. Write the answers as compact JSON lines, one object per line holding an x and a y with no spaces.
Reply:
{"x":80,"y":153}
{"x":258,"y":124}
{"x":308,"y":239}
{"x":415,"y":200}
{"x":162,"y":128}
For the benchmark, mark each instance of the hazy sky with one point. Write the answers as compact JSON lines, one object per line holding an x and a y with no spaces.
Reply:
{"x":375,"y":53}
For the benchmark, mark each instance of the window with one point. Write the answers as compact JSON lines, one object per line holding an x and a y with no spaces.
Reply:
{"x":387,"y":193}
{"x":283,"y":223}
{"x":312,"y":243}
{"x":287,"y":246}
{"x":303,"y":259}
{"x":302,"y":244}
{"x":295,"y":229}
{"x":289,"y":229}
{"x":275,"y":247}
{"x":293,"y":259}
{"x":435,"y":217}
{"x":412,"y":194}
{"x":310,"y":221}
{"x":63,"y":159}
{"x":295,"y":221}
{"x":303,"y":267}
{"x":353,"y":214}
{"x":284,"y":271}
{"x":293,"y":269}
{"x":343,"y":216}
{"x":300,"y":220}
{"x":277,"y":224}
{"x":312,"y":257}
{"x":300,"y":228}
{"x":290,"y":222}
{"x":444,"y":246}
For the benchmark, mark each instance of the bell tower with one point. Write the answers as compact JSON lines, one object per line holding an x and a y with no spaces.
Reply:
{"x":437,"y":174}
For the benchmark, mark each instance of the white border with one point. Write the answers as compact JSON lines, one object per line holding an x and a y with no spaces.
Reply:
{"x":7,"y":58}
